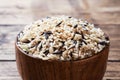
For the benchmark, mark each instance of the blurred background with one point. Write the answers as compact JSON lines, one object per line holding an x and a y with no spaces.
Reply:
{"x":15,"y":14}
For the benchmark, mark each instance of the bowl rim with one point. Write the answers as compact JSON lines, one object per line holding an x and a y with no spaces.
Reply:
{"x":78,"y":60}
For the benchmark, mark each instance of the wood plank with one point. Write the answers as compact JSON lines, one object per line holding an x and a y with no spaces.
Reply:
{"x":24,"y":12}
{"x":8,"y":71}
{"x":10,"y":78}
{"x":101,"y":11}
{"x":113,"y":71}
{"x":111,"y":78}
{"x":15,"y":11}
{"x":7,"y":39}
{"x":114,"y":56}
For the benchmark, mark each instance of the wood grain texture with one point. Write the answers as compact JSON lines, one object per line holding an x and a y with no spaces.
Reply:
{"x":8,"y":71}
{"x":36,"y":69}
{"x":14,"y":14}
{"x":24,"y":12}
{"x":7,"y":37}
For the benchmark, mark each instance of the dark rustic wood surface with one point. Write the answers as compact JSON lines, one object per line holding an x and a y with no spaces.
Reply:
{"x":15,"y":14}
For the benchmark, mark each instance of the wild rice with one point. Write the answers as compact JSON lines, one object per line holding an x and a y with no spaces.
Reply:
{"x":62,"y":38}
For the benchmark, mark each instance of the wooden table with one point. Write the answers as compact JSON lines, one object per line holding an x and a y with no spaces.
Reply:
{"x":14,"y":14}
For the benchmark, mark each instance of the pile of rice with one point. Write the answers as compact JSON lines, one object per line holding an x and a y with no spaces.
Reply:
{"x":62,"y":38}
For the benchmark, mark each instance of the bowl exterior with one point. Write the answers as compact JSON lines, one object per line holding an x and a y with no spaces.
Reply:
{"x":92,"y":68}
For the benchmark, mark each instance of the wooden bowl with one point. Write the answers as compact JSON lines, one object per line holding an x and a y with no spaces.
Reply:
{"x":31,"y":68}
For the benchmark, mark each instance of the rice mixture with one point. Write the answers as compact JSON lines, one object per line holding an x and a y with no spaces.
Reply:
{"x":62,"y":38}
